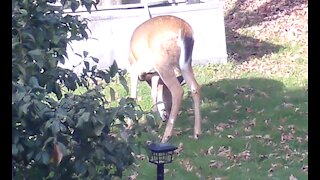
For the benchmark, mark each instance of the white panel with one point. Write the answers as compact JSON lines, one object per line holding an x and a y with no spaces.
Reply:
{"x":112,"y":29}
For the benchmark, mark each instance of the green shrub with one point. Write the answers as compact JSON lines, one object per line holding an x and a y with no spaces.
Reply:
{"x":55,"y":133}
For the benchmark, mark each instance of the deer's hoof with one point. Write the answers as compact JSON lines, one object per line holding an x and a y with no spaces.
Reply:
{"x":196,"y":136}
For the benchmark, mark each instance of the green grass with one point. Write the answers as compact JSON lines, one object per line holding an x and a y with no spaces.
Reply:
{"x":259,"y":107}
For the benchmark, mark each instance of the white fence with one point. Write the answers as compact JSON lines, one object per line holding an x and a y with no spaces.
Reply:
{"x":111,"y":30}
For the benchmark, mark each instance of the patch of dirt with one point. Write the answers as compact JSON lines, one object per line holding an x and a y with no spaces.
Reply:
{"x":284,"y":20}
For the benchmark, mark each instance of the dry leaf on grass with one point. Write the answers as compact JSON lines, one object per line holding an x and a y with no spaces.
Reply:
{"x":186,"y":164}
{"x":216,"y":164}
{"x":221,"y":126}
{"x":292,"y":177}
{"x":179,"y":149}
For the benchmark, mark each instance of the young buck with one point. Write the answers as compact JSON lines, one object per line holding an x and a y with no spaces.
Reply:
{"x":159,"y":47}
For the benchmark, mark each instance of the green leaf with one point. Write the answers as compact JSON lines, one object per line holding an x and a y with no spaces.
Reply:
{"x":29,"y":155}
{"x":47,"y":141}
{"x":50,"y":176}
{"x":74,"y":5}
{"x":63,"y":128}
{"x":27,"y":98}
{"x":98,"y":130}
{"x":99,"y":153}
{"x":83,"y":118}
{"x":14,"y":44}
{"x":78,"y":54}
{"x":112,"y":94}
{"x":57,"y":90}
{"x":92,"y":170}
{"x":38,"y":156}
{"x":63,"y":148}
{"x":56,"y":39}
{"x":22,"y":69}
{"x":20,"y":148}
{"x":124,"y":83}
{"x":86,"y":63}
{"x":81,"y":110}
{"x":96,"y":60}
{"x":19,"y":96}
{"x":15,"y":138}
{"x":45,"y":157}
{"x":113,"y":69}
{"x":110,"y":147}
{"x":80,"y":167}
{"x":14,"y":150}
{"x":23,"y":12}
{"x":88,"y":6}
{"x":26,"y":34}
{"x":35,"y":52}
{"x":48,"y":124}
{"x":85,"y":53}
{"x":55,"y":127}
{"x":94,"y":68}
{"x":24,"y":108}
{"x":33,"y":82}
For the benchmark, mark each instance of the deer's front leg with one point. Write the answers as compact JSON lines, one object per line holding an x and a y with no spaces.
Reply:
{"x":154,"y":90}
{"x":134,"y":83}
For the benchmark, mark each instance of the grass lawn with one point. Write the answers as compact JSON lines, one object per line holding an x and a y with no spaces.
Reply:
{"x":255,"y":123}
{"x":254,"y":111}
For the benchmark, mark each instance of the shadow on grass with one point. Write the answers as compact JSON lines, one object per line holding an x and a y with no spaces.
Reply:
{"x":248,"y":98}
{"x":240,"y":100}
{"x":240,"y":47}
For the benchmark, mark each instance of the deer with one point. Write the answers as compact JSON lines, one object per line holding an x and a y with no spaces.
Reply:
{"x":159,"y":47}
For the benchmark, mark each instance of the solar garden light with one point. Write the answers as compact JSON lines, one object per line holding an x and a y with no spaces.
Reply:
{"x":161,"y":153}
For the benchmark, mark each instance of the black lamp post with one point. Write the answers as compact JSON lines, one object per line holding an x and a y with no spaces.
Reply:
{"x":161,"y":153}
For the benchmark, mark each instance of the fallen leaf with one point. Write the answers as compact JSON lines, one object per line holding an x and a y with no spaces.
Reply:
{"x":281,"y":128}
{"x":245,"y":155}
{"x":262,"y":157}
{"x":287,"y":150}
{"x":247,"y":129}
{"x":134,"y":176}
{"x":304,"y":168}
{"x":210,"y":150}
{"x":283,"y":120}
{"x":203,"y":152}
{"x":287,"y":105}
{"x":232,"y":121}
{"x":286,"y":137}
{"x":264,"y":94}
{"x":179,"y":149}
{"x":198,"y":174}
{"x":141,"y":156}
{"x":299,"y":139}
{"x":225,"y":152}
{"x":186,"y":164}
{"x":267,"y":121}
{"x":292,"y":177}
{"x":230,"y":136}
{"x":222,"y":126}
{"x":249,"y":110}
{"x":216,"y":164}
